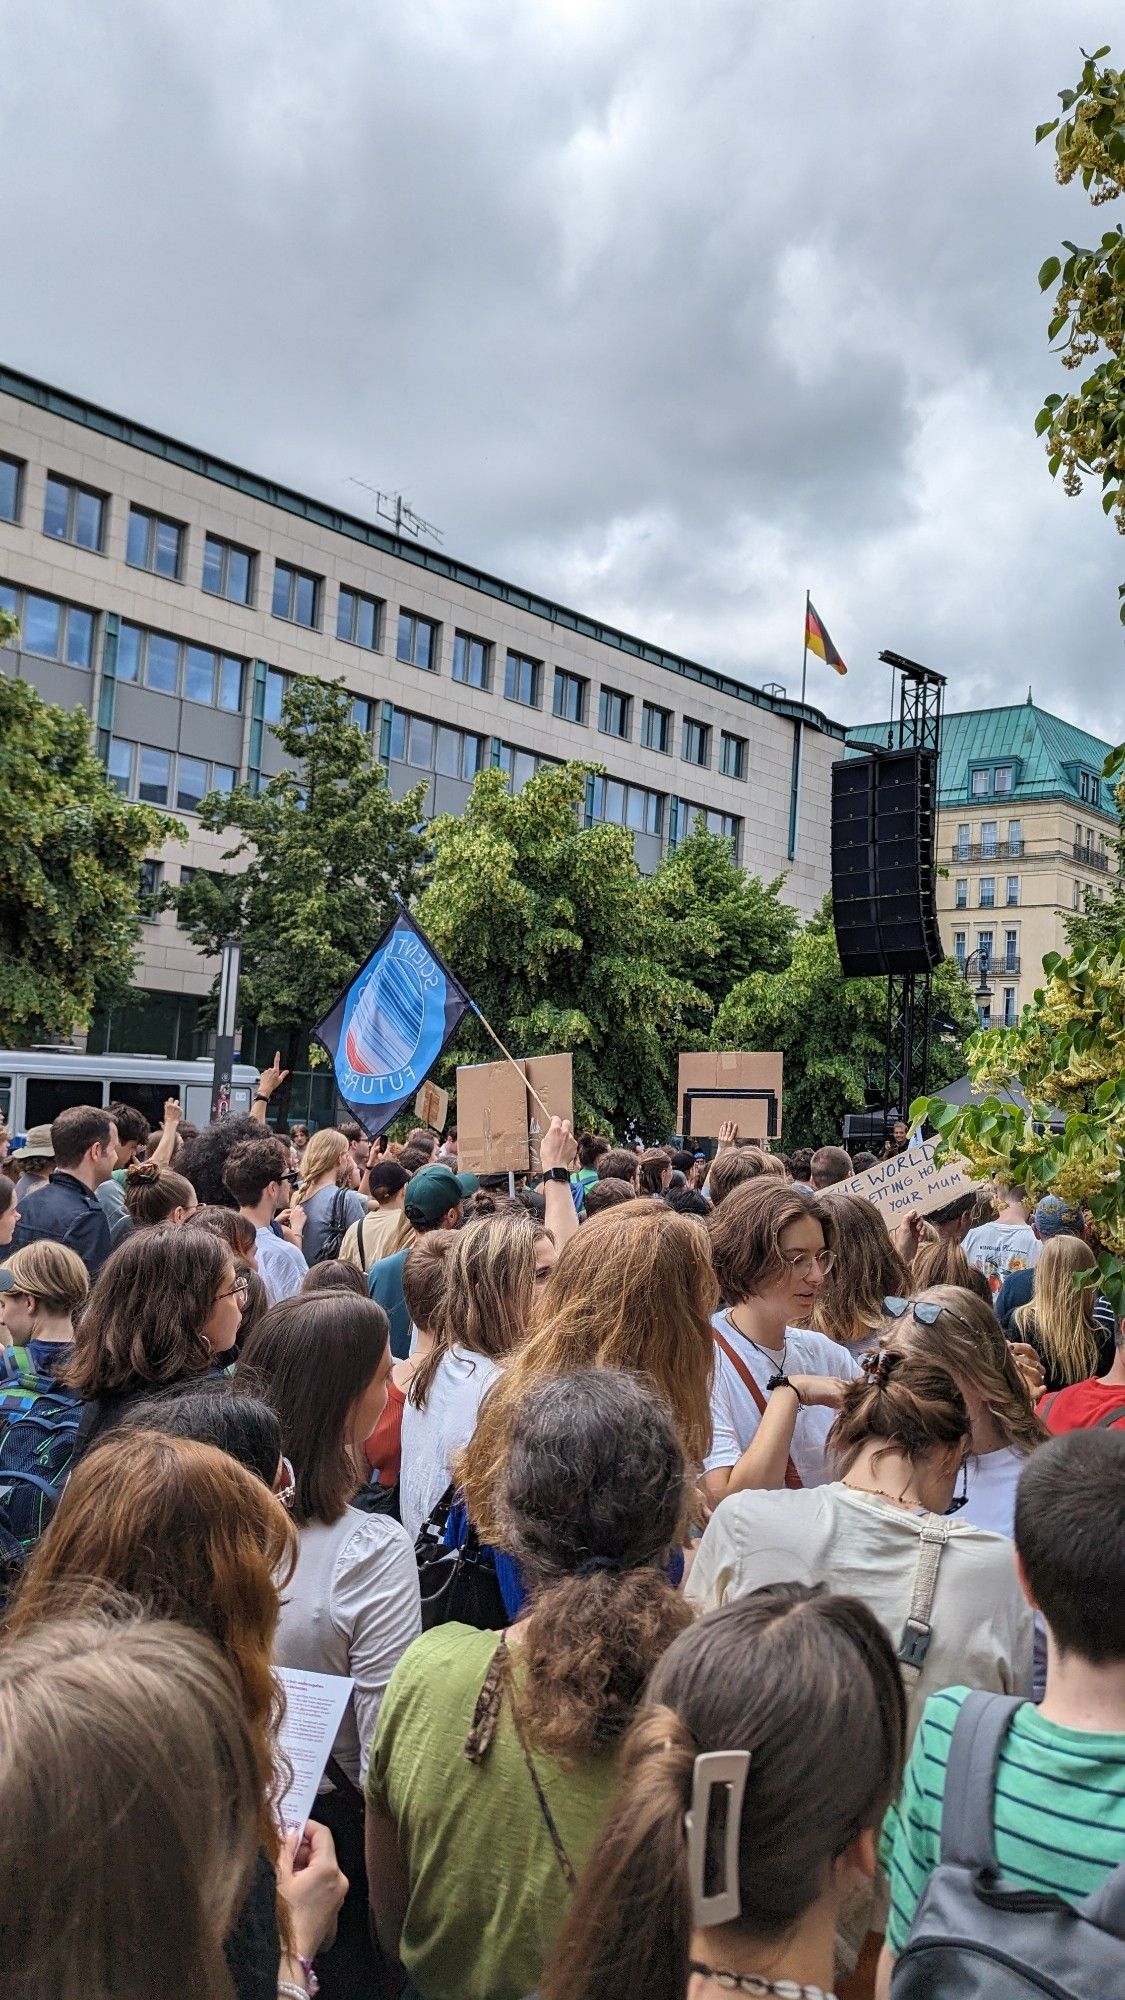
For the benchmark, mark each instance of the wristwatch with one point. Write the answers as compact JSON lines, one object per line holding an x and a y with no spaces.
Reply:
{"x":557,"y":1174}
{"x":261,"y":1098}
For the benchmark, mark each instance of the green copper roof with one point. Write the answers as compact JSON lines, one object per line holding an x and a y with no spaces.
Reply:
{"x":1047,"y":755}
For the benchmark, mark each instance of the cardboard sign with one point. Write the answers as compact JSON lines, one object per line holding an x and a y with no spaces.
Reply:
{"x":431,"y":1107}
{"x":702,"y":1116}
{"x":498,"y":1123}
{"x":911,"y":1181}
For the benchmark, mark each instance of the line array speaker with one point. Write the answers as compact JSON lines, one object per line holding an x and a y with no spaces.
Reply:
{"x":883,"y":814}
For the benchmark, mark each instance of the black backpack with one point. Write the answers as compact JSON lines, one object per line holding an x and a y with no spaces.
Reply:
{"x":335,"y":1229}
{"x":38,"y":1438}
{"x":976,"y":1937}
{"x":456,"y":1583}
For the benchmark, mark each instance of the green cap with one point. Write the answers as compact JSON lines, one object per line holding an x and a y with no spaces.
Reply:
{"x":432,"y":1191}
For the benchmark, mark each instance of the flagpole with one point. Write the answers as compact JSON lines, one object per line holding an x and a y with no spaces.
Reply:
{"x":805,"y":654}
{"x":508,"y":1057}
{"x":798,"y":744}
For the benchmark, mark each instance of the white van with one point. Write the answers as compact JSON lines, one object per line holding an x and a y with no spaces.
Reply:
{"x":36,"y":1084}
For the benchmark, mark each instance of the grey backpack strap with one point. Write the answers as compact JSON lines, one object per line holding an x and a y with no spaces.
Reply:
{"x":1110,"y":1417}
{"x":1106,"y":1907}
{"x":967,"y":1834}
{"x":918,"y":1630}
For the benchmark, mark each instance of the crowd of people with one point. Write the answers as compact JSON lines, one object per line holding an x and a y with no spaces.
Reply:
{"x":729,"y":1584}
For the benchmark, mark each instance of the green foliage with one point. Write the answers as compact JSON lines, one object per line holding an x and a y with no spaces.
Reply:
{"x":1084,"y":432}
{"x":832,"y":1032}
{"x":325,"y":848}
{"x":562,"y":944}
{"x":1068,"y":1057}
{"x":724,"y":924}
{"x":70,"y":856}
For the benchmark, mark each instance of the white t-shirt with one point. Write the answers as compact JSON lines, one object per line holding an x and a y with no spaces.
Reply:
{"x":999,"y":1247}
{"x":735,"y":1415}
{"x":868,"y":1548}
{"x":352,"y":1608}
{"x":432,"y":1437}
{"x":992,"y":1479}
{"x":281,"y":1266}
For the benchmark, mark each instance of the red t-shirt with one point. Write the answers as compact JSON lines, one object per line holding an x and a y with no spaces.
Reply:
{"x":1083,"y":1405}
{"x":383,"y":1449}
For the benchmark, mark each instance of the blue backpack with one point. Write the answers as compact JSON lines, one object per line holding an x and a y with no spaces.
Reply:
{"x":38,"y":1434}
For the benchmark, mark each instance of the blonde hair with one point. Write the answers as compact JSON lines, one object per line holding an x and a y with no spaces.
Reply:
{"x":51,"y":1274}
{"x":633,"y":1290}
{"x":1059,"y":1316}
{"x":487,"y":1296}
{"x":968,"y":1342}
{"x":326,"y":1150}
{"x":132,"y":1728}
{"x":868,"y":1269}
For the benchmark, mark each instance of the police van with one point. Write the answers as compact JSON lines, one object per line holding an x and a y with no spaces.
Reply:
{"x":36,"y":1084}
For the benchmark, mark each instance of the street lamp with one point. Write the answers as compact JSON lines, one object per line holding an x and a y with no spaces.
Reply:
{"x":982,"y":992}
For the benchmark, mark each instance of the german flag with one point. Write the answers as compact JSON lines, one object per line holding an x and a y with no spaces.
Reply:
{"x":818,"y":642}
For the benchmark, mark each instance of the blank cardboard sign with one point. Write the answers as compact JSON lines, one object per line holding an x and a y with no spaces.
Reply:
{"x":431,"y":1107}
{"x":498,"y":1123}
{"x":704,"y":1070}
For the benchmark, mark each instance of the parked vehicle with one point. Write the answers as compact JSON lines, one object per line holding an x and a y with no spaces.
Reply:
{"x":36,"y":1084}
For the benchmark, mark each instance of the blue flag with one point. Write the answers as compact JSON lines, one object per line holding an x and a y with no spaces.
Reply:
{"x":387,"y":1029}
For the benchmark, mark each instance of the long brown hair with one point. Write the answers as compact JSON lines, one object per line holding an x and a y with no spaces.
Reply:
{"x":904,"y":1403}
{"x":189,"y":1534}
{"x":967,"y":1340}
{"x":633,"y":1290}
{"x":809,"y":1685}
{"x":1060,"y":1315}
{"x":942,"y":1262}
{"x":868,"y":1269}
{"x":130,"y":1797}
{"x":489,"y":1289}
{"x":311,"y":1358}
{"x":142,"y":1323}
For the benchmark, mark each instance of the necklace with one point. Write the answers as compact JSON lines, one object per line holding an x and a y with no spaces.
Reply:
{"x":877,"y":1492}
{"x":778,"y":1369}
{"x":753,"y":1983}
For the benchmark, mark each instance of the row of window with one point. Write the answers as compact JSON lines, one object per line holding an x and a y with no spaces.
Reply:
{"x":48,"y":626}
{"x":986,"y":892}
{"x":985,"y":947}
{"x":986,"y":778}
{"x":141,"y":771}
{"x":989,"y":845}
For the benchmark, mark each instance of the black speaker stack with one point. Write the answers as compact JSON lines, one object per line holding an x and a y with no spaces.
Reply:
{"x":884,"y":810}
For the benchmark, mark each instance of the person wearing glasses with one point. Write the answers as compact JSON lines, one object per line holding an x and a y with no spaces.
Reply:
{"x":776,"y":1383}
{"x":259,"y":1177}
{"x":887,"y":1530}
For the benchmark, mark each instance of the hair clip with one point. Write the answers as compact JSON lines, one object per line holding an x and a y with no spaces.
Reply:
{"x":879,"y":1366}
{"x":715,"y":1768}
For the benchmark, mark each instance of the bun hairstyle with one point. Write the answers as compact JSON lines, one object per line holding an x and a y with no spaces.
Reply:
{"x":966,"y":1339}
{"x":154,"y":1193}
{"x":805,"y":1682}
{"x":907,"y":1403}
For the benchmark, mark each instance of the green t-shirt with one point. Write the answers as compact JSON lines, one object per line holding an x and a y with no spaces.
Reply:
{"x":487,"y":1895}
{"x":1059,"y":1811}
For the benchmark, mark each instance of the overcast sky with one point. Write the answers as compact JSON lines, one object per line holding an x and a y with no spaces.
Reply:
{"x":667,"y":308}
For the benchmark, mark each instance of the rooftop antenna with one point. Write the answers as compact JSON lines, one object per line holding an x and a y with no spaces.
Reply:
{"x":393,"y":508}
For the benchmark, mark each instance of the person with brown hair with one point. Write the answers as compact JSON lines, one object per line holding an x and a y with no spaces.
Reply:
{"x":155,"y":1194}
{"x":258,"y":1175}
{"x":940,"y":1260}
{"x":67,"y":1210}
{"x":606,"y":1194}
{"x":737,"y":1164}
{"x":654,"y":1170}
{"x":385,"y":1228}
{"x":777,"y":1382}
{"x":764,"y":1684}
{"x":331,"y":1275}
{"x":633,"y":1290}
{"x":42,"y":1288}
{"x":828,"y":1166}
{"x":187,"y":1533}
{"x":166,"y":1308}
{"x":849,"y":1305}
{"x":232,"y":1226}
{"x":513,"y":1743}
{"x":947,"y":1594}
{"x":617,"y":1163}
{"x":424,"y":1279}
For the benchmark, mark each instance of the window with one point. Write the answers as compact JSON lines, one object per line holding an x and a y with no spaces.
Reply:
{"x":732,"y":755}
{"x":1009,"y":1006}
{"x":988,"y":839}
{"x":363,"y":713}
{"x":472,"y":660}
{"x":569,"y":702}
{"x":141,"y":771}
{"x":1074,"y":896}
{"x":276,"y":683}
{"x":696,"y":745}
{"x":1089,"y":788}
{"x":228,"y":571}
{"x":984,"y":946}
{"x":1013,"y":891}
{"x":173,"y":666}
{"x":429,"y":746}
{"x":980,"y":784}
{"x":964,"y":843}
{"x":54,"y":630}
{"x":521,"y":679}
{"x":10,"y":482}
{"x":73,"y":513}
{"x":458,"y":753}
{"x":119,"y":764}
{"x":296,"y":595}
{"x":357,"y":619}
{"x":960,"y":948}
{"x":417,"y":642}
{"x":987,"y":891}
{"x":1015,"y":838}
{"x":191,"y":783}
{"x":230,"y":683}
{"x":1002,"y":778}
{"x":632,"y":806}
{"x":614,"y":713}
{"x":420,"y":742}
{"x":224,"y":777}
{"x":154,"y":777}
{"x":656,"y":727}
{"x":1011,"y":950}
{"x":961,"y":893}
{"x":154,"y":543}
{"x":726,"y":825}
{"x":521,"y":764}
{"x":148,"y":888}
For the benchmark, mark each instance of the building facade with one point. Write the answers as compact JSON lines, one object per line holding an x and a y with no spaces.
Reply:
{"x":172,"y":595}
{"x":1026,"y":825}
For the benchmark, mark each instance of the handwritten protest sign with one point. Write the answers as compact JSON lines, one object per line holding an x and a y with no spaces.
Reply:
{"x":911,"y":1181}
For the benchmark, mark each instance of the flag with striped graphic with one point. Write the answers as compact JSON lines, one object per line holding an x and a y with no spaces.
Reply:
{"x":389,"y":1026}
{"x":818,"y":642}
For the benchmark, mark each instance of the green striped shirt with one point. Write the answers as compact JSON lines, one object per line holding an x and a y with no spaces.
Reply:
{"x":1059,"y":1810}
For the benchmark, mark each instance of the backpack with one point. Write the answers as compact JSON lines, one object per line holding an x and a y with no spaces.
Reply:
{"x":38,"y":1436}
{"x":974,"y":1936}
{"x":335,"y":1229}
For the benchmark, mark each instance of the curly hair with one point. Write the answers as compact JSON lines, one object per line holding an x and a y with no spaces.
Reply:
{"x":592,"y":1500}
{"x":204,"y":1157}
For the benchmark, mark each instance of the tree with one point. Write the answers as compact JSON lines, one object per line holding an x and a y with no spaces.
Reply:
{"x":71,"y":850}
{"x":326,"y":849}
{"x":1066,"y":1055}
{"x":724,"y":924}
{"x":831,"y":1031}
{"x":557,"y":937}
{"x":1085,"y":430}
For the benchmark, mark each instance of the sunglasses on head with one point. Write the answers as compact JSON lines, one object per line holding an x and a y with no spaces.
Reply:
{"x":926,"y":1312}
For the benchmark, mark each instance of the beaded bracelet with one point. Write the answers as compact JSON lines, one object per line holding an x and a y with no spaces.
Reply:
{"x":289,"y":1991}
